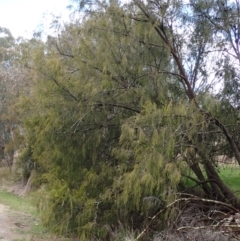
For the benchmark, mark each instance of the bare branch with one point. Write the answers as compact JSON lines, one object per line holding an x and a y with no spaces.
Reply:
{"x":187,"y":200}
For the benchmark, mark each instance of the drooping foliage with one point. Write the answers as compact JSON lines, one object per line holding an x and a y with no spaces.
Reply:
{"x":122,"y":112}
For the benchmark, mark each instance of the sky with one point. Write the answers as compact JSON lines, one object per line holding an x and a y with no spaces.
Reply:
{"x":22,"y":17}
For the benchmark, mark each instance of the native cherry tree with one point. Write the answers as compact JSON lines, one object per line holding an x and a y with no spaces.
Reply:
{"x":126,"y":105}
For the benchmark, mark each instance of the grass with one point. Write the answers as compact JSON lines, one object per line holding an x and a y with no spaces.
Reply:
{"x":23,"y":209}
{"x":229,"y":174}
{"x":28,"y":213}
{"x":231,"y":177}
{"x":25,"y":213}
{"x":17,"y":203}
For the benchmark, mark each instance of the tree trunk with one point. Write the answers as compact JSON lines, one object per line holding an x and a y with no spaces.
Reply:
{"x":159,"y":28}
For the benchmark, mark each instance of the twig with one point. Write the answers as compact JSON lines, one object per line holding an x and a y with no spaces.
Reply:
{"x":190,"y":199}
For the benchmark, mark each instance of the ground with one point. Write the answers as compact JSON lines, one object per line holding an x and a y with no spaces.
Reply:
{"x":15,"y":226}
{"x":22,"y":226}
{"x":19,"y":220}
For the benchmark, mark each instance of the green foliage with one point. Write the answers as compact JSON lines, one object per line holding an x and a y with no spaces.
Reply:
{"x":118,"y":113}
{"x":13,"y":83}
{"x":81,"y":128}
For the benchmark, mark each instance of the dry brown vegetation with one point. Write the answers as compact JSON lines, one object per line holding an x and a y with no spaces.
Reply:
{"x":197,"y":219}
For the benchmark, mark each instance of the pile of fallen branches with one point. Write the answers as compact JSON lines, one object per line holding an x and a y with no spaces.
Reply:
{"x":197,"y":219}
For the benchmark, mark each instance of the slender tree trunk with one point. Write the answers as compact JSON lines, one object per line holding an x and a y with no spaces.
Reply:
{"x":226,"y":192}
{"x":184,"y":79}
{"x":198,"y":172}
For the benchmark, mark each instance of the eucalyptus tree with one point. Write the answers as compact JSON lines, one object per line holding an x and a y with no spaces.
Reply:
{"x":122,"y":110}
{"x":195,"y":48}
{"x":12,"y":80}
{"x":223,"y":18}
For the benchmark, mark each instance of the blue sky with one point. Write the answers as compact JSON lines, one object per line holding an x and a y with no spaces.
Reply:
{"x":23,"y":16}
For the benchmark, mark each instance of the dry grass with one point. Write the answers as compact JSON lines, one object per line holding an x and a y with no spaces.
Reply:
{"x":6,"y":177}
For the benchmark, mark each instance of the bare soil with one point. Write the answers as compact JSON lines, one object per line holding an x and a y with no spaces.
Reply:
{"x":15,"y":226}
{"x":18,"y":226}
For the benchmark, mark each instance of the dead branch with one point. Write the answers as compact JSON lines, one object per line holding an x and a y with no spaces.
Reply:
{"x":191,"y":199}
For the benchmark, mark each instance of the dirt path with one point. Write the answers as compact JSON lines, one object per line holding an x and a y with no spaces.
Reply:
{"x":14,"y":226}
{"x":20,"y":226}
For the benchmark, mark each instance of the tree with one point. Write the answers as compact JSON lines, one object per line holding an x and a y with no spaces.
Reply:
{"x":122,"y":110}
{"x":12,"y":84}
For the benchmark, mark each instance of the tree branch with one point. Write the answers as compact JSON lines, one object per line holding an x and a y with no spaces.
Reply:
{"x":187,"y":200}
{"x":119,"y":105}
